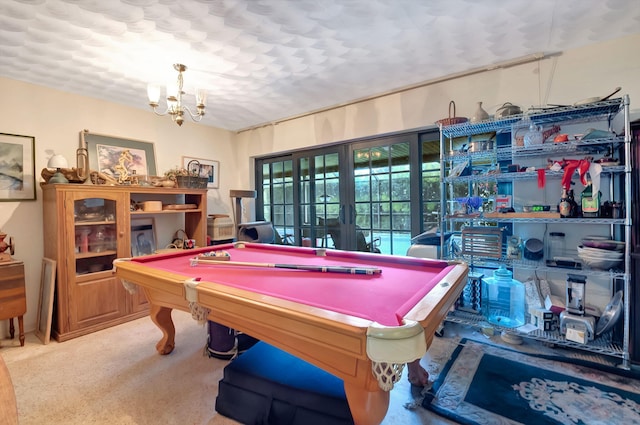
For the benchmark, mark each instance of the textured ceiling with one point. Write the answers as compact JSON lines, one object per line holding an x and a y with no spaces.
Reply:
{"x":264,"y":60}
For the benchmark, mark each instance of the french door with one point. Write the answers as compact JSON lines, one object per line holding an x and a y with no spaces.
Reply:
{"x":365,"y":195}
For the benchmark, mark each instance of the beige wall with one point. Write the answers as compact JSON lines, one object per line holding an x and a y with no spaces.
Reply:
{"x":55,"y":119}
{"x":562,"y":78}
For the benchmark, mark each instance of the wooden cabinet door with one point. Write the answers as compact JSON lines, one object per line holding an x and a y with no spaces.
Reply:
{"x":96,"y":233}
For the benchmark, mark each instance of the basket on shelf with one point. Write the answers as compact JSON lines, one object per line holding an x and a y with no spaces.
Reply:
{"x":452,"y":117}
{"x":193,"y":180}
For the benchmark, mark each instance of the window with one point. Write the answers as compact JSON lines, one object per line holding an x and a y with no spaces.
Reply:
{"x":372,"y":194}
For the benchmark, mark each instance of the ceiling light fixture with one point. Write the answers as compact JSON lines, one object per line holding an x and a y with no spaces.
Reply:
{"x":175,"y":108}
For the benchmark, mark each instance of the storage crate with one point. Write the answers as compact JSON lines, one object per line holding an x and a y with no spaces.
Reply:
{"x":220,"y":228}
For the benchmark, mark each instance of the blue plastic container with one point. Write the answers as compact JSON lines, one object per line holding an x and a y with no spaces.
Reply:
{"x":503,"y":299}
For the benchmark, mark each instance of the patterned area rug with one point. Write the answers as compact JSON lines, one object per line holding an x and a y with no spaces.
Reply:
{"x":487,"y":384}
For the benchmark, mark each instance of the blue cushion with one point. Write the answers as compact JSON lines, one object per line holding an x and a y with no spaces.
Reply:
{"x":266,"y":385}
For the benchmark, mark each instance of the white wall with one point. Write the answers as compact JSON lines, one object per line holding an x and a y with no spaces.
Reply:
{"x":55,"y":119}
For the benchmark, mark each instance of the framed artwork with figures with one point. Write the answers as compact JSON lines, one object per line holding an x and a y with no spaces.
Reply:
{"x":203,"y":168}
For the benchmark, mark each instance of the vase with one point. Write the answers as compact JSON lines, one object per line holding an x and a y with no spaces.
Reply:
{"x":480,"y":114}
{"x":533,"y":136}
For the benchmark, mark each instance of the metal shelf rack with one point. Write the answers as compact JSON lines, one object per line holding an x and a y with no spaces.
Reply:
{"x":489,"y":166}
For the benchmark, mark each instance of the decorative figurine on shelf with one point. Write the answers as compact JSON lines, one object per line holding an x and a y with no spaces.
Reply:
{"x":514,"y":248}
{"x":4,"y":246}
{"x":122,"y":169}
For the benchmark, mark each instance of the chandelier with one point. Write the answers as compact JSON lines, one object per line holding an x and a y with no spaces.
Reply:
{"x":175,"y":108}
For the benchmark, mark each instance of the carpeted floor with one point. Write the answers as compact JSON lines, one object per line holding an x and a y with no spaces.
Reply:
{"x":116,"y":377}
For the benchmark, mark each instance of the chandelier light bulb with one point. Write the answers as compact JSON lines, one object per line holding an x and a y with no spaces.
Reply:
{"x":153,"y":93}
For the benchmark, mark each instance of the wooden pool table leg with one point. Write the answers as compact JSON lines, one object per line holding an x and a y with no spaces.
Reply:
{"x":161,"y":316}
{"x":367,"y":407}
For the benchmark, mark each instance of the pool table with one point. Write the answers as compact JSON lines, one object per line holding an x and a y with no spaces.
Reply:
{"x":360,"y":327}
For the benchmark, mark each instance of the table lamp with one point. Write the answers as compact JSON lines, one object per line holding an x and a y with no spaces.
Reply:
{"x":58,"y":162}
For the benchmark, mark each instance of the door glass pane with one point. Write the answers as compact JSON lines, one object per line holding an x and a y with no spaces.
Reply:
{"x":430,"y":183}
{"x":303,"y":164}
{"x":401,"y":186}
{"x":401,"y":216}
{"x":384,"y":207}
{"x":277,"y":175}
{"x":278,"y":193}
{"x":95,"y":234}
{"x":362,"y":188}
{"x":380,"y":189}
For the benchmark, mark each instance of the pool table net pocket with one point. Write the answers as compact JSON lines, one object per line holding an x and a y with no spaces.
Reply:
{"x":198,"y":312}
{"x":390,"y":347}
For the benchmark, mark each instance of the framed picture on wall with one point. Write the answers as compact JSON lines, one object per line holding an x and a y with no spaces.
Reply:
{"x":17,"y":167}
{"x":113,"y":155}
{"x":143,"y":236}
{"x":203,"y":168}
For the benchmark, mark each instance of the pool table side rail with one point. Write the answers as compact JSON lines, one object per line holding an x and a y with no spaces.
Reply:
{"x":433,"y":308}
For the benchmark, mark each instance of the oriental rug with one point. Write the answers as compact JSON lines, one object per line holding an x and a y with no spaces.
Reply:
{"x":488,"y":384}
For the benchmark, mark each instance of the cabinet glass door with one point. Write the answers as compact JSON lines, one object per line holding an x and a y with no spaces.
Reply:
{"x":95,"y":230}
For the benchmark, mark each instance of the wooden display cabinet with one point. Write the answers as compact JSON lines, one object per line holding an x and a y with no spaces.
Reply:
{"x":86,"y":227}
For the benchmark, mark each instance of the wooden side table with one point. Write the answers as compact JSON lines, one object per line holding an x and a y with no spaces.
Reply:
{"x":13,"y":300}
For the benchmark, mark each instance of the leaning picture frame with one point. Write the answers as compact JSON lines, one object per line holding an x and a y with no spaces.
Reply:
{"x":17,"y":167}
{"x":143,"y":236}
{"x":112,"y":155}
{"x":45,"y":302}
{"x":205,"y":167}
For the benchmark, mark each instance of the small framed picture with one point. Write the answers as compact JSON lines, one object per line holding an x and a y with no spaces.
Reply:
{"x":203,"y":168}
{"x":17,"y":168}
{"x":143,"y":237}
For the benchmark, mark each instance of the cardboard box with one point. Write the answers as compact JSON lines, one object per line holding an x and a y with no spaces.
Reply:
{"x":543,"y":319}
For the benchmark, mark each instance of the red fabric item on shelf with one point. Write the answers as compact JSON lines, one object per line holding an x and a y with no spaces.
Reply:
{"x":571,"y":165}
{"x":541,"y":178}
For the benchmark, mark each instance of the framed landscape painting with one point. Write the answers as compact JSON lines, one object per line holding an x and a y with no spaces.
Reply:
{"x":17,"y":167}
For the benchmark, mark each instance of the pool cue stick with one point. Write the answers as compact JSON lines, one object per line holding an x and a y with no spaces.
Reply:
{"x":322,"y":269}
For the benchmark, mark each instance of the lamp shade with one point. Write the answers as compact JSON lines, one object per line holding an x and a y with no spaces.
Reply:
{"x":153,"y":93}
{"x":57,"y":161}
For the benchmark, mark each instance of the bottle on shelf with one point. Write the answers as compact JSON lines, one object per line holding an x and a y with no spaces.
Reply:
{"x":590,"y":202}
{"x":556,"y":247}
{"x":567,"y":206}
{"x":84,"y":240}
